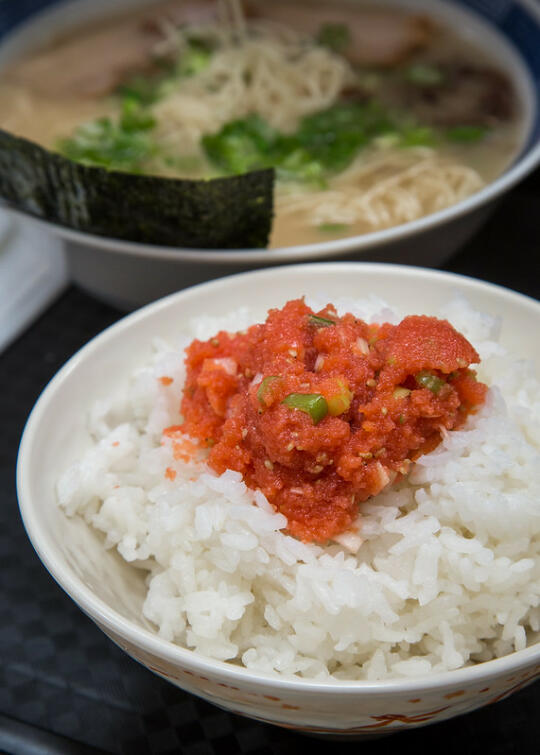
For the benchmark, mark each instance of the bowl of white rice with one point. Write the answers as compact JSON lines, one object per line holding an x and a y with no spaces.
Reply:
{"x":435,"y":613}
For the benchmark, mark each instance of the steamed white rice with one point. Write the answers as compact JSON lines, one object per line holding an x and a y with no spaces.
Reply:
{"x":448,"y":572}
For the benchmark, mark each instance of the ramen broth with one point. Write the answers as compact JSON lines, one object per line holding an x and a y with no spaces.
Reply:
{"x":386,"y":182}
{"x":490,"y":159}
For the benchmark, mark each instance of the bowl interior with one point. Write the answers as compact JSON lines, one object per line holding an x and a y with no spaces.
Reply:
{"x":56,"y":433}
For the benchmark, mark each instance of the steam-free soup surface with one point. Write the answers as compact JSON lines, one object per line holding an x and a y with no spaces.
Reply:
{"x":371,"y":117}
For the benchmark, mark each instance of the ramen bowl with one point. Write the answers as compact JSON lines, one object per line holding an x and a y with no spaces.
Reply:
{"x":128,"y":274}
{"x":111,"y":592}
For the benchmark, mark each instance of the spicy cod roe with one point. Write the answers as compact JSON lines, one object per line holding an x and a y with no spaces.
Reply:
{"x":322,"y":412}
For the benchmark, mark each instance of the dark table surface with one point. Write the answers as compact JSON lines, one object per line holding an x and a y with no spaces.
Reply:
{"x":65,"y":688}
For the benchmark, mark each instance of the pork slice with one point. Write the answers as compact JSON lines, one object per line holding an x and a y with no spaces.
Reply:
{"x":469,"y":94}
{"x":92,"y":64}
{"x":377,"y":37}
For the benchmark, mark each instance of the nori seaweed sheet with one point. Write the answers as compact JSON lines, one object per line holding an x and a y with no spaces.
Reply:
{"x":229,"y":213}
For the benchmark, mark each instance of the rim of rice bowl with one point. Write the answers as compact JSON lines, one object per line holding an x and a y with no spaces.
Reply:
{"x":140,"y":637}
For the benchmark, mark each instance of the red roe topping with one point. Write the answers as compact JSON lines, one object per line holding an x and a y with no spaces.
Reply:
{"x":322,"y":412}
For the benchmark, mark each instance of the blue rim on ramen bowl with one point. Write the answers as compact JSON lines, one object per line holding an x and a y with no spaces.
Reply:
{"x":128,"y":274}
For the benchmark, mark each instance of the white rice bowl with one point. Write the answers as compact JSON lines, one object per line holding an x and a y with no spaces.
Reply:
{"x":448,"y":573}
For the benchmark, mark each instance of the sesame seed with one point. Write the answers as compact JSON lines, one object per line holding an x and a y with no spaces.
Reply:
{"x":371,"y":383}
{"x":268,"y":464}
{"x":404,"y":468}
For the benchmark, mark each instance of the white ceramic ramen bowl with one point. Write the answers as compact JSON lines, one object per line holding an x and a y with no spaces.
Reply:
{"x":128,"y":274}
{"x":111,"y":593}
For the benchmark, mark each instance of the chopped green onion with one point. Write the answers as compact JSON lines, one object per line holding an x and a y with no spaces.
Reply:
{"x":147,"y":88}
{"x":297,"y":164}
{"x":402,"y":419}
{"x":429,"y":381}
{"x":321,"y":322}
{"x":135,"y":117}
{"x":124,"y":144}
{"x":334,"y":136}
{"x":424,"y":75}
{"x":333,"y":227}
{"x":466,"y":134}
{"x":194,"y":60}
{"x":241,"y":145}
{"x":340,"y":402}
{"x":401,"y":393}
{"x":311,"y":403}
{"x":324,"y":143}
{"x":262,"y":393}
{"x":336,"y":37}
{"x":184,"y":163}
{"x":388,"y":141}
{"x":417,"y":136}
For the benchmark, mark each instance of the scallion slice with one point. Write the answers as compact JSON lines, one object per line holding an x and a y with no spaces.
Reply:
{"x":467,"y":134}
{"x":321,"y":322}
{"x":313,"y":404}
{"x":340,"y":402}
{"x":429,"y":381}
{"x":424,"y":75}
{"x":262,"y":392}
